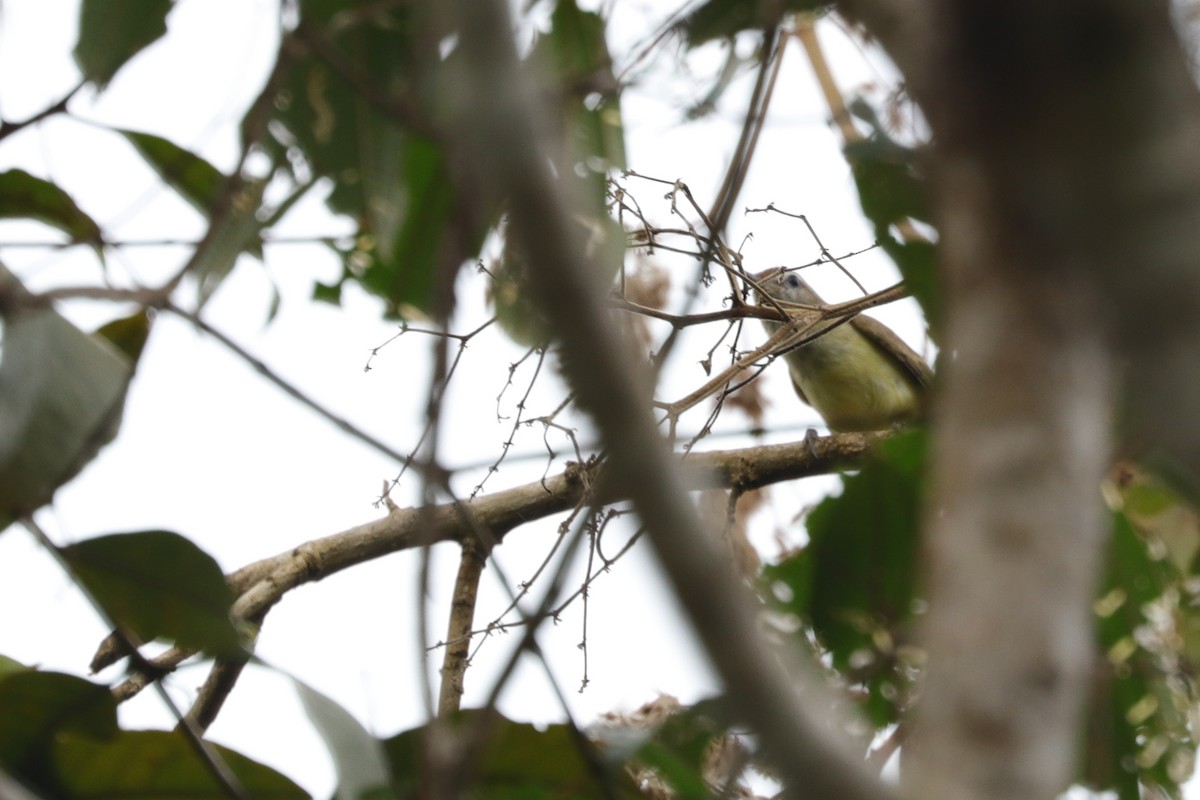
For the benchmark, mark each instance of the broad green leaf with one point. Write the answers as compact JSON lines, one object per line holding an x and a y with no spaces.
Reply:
{"x":405,"y":257}
{"x":889,"y":187}
{"x":358,"y":757}
{"x":23,"y":196}
{"x":723,"y":19}
{"x":158,"y":585}
{"x":394,"y":184}
{"x":61,"y":397}
{"x":41,"y":706}
{"x":518,"y":761}
{"x":196,"y":180}
{"x":854,"y":583}
{"x":113,"y":31}
{"x":158,"y":764}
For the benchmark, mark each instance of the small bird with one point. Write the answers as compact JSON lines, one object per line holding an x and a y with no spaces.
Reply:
{"x":859,"y":375}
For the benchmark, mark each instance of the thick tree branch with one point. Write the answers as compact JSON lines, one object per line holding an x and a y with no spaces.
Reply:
{"x":260,"y":585}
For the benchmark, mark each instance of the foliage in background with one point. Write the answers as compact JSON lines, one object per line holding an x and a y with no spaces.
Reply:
{"x":354,"y":100}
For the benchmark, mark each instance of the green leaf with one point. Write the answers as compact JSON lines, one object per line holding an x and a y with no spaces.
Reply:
{"x":158,"y":585}
{"x":204,"y":186}
{"x":723,"y":19}
{"x":677,"y":749}
{"x":518,"y":761}
{"x":1138,"y":732}
{"x":128,"y":334}
{"x":238,"y":231}
{"x":196,"y":180}
{"x":917,"y":261}
{"x":22,"y":196}
{"x":358,"y":757}
{"x":41,"y":706}
{"x":158,"y":764}
{"x":8,"y":665}
{"x":113,"y":31}
{"x":394,"y":186}
{"x":62,"y":393}
{"x":855,"y":581}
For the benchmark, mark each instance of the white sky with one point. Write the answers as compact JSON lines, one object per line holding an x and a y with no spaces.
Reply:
{"x":212,"y":451}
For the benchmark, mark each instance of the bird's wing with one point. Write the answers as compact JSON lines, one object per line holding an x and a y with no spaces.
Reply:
{"x":887,"y":341}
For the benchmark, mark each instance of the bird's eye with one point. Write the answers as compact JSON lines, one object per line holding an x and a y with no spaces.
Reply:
{"x":792,"y":280}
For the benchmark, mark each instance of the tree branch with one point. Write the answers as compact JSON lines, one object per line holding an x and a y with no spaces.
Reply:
{"x":261,"y":584}
{"x":503,"y":151}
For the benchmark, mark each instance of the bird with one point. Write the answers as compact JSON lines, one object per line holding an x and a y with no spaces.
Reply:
{"x":858,"y":375}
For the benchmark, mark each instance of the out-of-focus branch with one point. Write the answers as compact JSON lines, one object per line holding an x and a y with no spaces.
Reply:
{"x":501,"y":144}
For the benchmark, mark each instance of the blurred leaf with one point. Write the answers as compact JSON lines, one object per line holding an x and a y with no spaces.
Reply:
{"x":573,"y":58}
{"x":677,"y":749}
{"x":128,"y":334}
{"x":394,"y":184}
{"x":518,"y":761}
{"x":41,"y":706}
{"x":22,"y":196}
{"x":574,"y":55}
{"x":113,"y":31}
{"x":917,"y":261}
{"x":403,"y":267}
{"x":889,"y":187}
{"x":723,"y":19}
{"x":855,"y":581}
{"x":61,"y":397}
{"x":204,"y":187}
{"x":358,"y":757}
{"x":238,"y":231}
{"x":8,"y":665}
{"x":158,"y":764}
{"x":196,"y":180}
{"x":158,"y":585}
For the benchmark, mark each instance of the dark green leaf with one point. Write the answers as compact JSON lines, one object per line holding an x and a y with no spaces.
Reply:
{"x":158,"y":585}
{"x":158,"y":764}
{"x":41,"y":706}
{"x":349,"y":126}
{"x":519,"y":761}
{"x":889,"y":187}
{"x":196,"y":180}
{"x":917,"y":261}
{"x":677,"y":749}
{"x":723,"y":19}
{"x":238,"y":231}
{"x":855,"y":581}
{"x":22,"y":196}
{"x":113,"y":31}
{"x":1138,"y":732}
{"x":128,"y":334}
{"x":204,"y":186}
